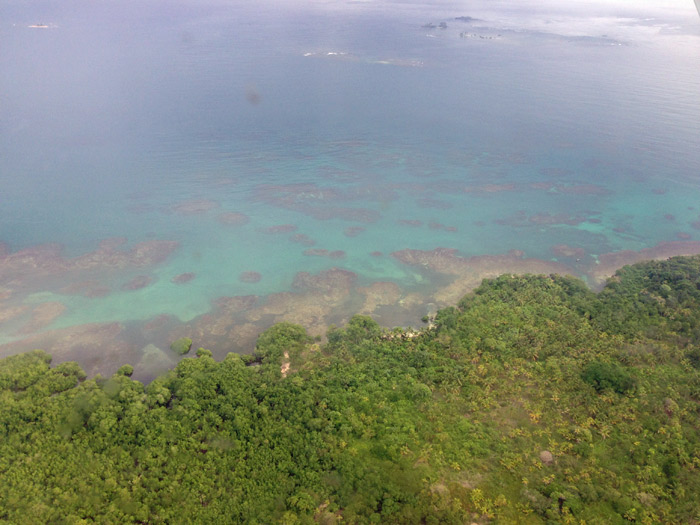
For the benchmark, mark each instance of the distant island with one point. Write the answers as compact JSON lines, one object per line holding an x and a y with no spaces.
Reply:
{"x":430,"y":25}
{"x":467,"y":19}
{"x":532,"y":400}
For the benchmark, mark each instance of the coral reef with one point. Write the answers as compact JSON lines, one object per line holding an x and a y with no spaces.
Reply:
{"x":43,"y":315}
{"x":280,"y":228}
{"x":470,"y":271}
{"x":232,"y":218}
{"x":320,"y":203}
{"x":89,"y":288}
{"x":33,"y":264}
{"x":250,"y":277}
{"x":428,"y":202}
{"x":183,"y":278}
{"x":608,"y":263}
{"x":98,"y":347}
{"x":439,"y":226}
{"x":379,"y":294}
{"x":564,"y":250}
{"x":410,"y":222}
{"x":522,"y":219}
{"x":320,"y":252}
{"x":195,"y":207}
{"x":137,"y":283}
{"x":302,"y":239}
{"x":353,"y":231}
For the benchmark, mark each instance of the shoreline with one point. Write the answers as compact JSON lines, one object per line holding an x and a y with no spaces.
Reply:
{"x":315,"y":301}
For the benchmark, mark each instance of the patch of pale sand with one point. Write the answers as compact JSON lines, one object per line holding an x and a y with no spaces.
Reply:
{"x":609,"y":263}
{"x":284,"y":369}
{"x":405,"y":334}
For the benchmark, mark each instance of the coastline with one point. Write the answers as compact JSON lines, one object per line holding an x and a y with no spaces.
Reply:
{"x":315,"y":301}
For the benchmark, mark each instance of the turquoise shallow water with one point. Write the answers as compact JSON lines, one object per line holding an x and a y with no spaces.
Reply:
{"x":338,"y":134}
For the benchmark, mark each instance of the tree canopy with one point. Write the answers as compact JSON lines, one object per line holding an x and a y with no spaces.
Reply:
{"x":534,"y":400}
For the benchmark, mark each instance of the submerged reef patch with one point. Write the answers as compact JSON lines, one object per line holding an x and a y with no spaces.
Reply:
{"x":315,"y":300}
{"x":137,"y":283}
{"x":43,"y":315}
{"x":564,"y":250}
{"x":250,"y":277}
{"x":439,"y":226}
{"x":88,"y":288}
{"x":302,"y":239}
{"x":470,"y":271}
{"x":521,"y":219}
{"x":410,"y":222}
{"x":195,"y":207}
{"x":280,"y":228}
{"x":31,"y":265}
{"x":428,"y":202}
{"x":319,"y":202}
{"x":98,"y":347}
{"x":183,"y":278}
{"x":608,"y":263}
{"x":320,"y":252}
{"x":353,"y":231}
{"x":233,"y":218}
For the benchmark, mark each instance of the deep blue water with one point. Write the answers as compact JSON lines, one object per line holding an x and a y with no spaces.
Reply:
{"x":525,"y":129}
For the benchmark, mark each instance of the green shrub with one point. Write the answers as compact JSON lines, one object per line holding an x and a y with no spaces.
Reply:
{"x":603,"y":376}
{"x":181,"y":346}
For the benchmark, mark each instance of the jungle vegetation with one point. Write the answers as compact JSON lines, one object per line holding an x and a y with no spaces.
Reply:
{"x":534,"y":400}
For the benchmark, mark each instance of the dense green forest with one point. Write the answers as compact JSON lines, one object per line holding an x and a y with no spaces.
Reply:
{"x":534,"y":400}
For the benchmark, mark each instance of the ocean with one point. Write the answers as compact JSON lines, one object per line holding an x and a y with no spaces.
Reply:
{"x":208,"y":168}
